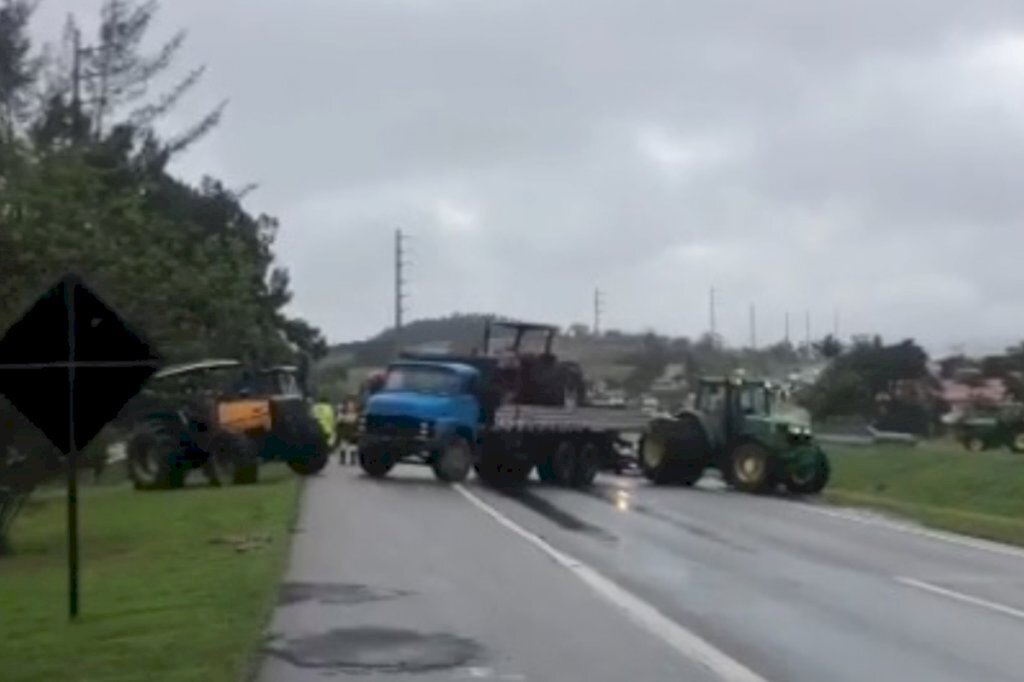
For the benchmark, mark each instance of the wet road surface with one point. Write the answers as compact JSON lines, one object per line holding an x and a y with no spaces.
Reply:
{"x":406,"y":579}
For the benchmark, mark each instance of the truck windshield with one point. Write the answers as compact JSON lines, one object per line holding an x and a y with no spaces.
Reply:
{"x":422,"y":380}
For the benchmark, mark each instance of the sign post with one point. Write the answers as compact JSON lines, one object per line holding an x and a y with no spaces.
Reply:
{"x":70,"y":343}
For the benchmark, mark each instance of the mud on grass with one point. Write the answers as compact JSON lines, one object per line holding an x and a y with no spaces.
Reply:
{"x":175,"y":585}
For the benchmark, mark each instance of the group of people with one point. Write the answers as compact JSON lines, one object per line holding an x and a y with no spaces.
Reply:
{"x":339,"y":423}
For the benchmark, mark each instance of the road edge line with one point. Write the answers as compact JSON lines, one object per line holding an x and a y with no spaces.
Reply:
{"x":683,"y":641}
{"x":979,"y":544}
{"x":961,"y":597}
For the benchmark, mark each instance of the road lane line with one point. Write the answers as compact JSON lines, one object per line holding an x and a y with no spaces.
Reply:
{"x":951,"y":538}
{"x":961,"y":597}
{"x":690,"y":645}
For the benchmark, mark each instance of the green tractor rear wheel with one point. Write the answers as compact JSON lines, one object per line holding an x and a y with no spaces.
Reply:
{"x":675,"y":451}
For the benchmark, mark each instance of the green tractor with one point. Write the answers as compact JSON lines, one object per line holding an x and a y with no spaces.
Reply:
{"x":733,"y":428}
{"x":995,"y":428}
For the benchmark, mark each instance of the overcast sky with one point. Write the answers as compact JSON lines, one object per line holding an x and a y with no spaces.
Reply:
{"x":864,"y":155}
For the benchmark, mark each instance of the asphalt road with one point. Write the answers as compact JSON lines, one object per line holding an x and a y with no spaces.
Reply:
{"x":408,"y":579}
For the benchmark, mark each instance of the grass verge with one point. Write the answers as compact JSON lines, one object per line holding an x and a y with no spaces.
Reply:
{"x":176,"y":586}
{"x":937,"y":484}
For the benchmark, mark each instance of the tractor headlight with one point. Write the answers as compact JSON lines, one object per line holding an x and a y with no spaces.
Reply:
{"x":795,"y":430}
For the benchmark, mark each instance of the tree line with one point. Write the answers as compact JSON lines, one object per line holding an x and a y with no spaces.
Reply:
{"x":85,"y":187}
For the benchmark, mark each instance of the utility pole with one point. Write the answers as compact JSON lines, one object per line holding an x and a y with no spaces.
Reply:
{"x":835,"y":323}
{"x":400,"y":295}
{"x":598,"y":309}
{"x":76,"y":68}
{"x":753,"y":327}
{"x":807,"y":330}
{"x":711,"y":314}
{"x":787,"y":327}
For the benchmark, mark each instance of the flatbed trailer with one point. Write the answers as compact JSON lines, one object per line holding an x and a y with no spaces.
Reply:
{"x":567,"y":446}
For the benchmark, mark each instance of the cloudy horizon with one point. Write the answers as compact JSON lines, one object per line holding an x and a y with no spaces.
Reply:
{"x":804,"y":157}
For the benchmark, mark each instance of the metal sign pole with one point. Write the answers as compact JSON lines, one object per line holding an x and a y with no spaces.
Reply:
{"x":69,"y":300}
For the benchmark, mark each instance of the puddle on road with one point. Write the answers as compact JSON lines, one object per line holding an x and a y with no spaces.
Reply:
{"x":376,"y":650}
{"x":559,"y":516}
{"x":335,"y":593}
{"x":612,"y":497}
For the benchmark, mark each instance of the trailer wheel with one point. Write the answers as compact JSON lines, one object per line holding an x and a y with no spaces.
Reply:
{"x":563,"y":463}
{"x":750,"y":467}
{"x":453,"y":461}
{"x":587,"y":465}
{"x":375,"y":461}
{"x":546,"y":469}
{"x":811,"y":482}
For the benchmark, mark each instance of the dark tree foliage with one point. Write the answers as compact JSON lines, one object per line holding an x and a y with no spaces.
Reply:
{"x":84,"y":187}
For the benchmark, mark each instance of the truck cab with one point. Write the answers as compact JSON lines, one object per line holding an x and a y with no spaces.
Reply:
{"x":425,"y":412}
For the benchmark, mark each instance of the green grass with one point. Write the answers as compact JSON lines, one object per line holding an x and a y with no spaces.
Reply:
{"x":939,"y":484}
{"x":175,"y":585}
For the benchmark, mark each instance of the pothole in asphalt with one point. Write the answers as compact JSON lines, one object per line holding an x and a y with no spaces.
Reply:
{"x":377,"y":650}
{"x":335,"y":593}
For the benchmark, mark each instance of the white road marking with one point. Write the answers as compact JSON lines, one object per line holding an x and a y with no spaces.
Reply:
{"x":951,"y":538}
{"x":679,"y":638}
{"x":960,"y":596}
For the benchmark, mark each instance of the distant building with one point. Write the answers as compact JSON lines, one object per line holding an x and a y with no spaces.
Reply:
{"x":960,"y":395}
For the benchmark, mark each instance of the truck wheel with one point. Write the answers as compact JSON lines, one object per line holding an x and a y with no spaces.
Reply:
{"x":375,"y":461}
{"x":1017,"y":442}
{"x":810,"y":482}
{"x":563,"y":463}
{"x":232,"y":458}
{"x":154,"y":458}
{"x":750,"y":468}
{"x":546,"y":470}
{"x":452,"y":463}
{"x":587,"y":465}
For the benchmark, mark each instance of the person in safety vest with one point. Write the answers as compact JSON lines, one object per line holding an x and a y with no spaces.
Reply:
{"x":323,"y":411}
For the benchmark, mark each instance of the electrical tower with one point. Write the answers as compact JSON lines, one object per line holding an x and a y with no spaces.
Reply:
{"x":400,"y":264}
{"x":787,"y":327}
{"x":598,"y":309}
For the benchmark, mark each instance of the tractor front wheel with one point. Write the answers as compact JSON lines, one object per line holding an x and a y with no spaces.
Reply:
{"x":810,"y":482}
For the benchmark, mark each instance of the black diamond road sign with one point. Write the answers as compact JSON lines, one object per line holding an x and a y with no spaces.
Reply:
{"x":70,"y":338}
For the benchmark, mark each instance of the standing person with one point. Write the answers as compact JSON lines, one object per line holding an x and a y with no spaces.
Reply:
{"x":348,"y":420}
{"x":323,"y":411}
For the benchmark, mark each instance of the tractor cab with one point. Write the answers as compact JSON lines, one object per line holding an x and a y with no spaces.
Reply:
{"x":734,"y":405}
{"x":526,"y":369}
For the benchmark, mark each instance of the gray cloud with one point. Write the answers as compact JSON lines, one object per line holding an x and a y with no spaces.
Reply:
{"x":800,"y":155}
